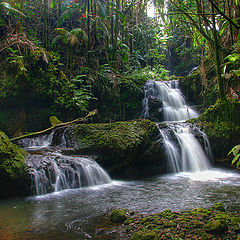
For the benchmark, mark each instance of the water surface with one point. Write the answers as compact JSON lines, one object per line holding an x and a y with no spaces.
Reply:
{"x":74,"y":214}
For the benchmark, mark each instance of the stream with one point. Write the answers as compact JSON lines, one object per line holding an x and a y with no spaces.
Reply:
{"x":75,"y":213}
{"x":74,"y":193}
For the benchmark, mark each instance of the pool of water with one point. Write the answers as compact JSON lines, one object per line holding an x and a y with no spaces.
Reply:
{"x":74,"y":214}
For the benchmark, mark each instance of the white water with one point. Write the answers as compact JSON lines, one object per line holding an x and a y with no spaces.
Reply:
{"x":174,"y":106}
{"x":53,"y":172}
{"x":183,"y":150}
{"x":39,"y":142}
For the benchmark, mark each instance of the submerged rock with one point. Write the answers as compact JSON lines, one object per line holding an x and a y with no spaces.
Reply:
{"x":14,"y":175}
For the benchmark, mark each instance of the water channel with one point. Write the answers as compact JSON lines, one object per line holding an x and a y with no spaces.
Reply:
{"x":74,"y":210}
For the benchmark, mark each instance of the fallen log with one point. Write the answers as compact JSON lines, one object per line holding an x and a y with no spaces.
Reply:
{"x":61,"y":125}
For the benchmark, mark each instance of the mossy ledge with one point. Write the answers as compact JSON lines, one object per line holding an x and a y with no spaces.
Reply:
{"x":124,"y":149}
{"x":221,"y":124}
{"x":14,"y":175}
{"x":198,"y":223}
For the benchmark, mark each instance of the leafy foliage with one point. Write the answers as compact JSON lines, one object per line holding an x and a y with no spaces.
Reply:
{"x":236,"y":153}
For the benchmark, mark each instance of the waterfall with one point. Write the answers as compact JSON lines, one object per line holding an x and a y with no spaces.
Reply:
{"x":183,"y":150}
{"x":170,"y":101}
{"x":164,"y":101}
{"x":41,"y":141}
{"x":53,"y":171}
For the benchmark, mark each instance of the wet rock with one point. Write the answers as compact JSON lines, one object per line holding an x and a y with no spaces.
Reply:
{"x":14,"y":175}
{"x":217,"y":226}
{"x":155,"y":109}
{"x":118,"y":215}
{"x":125,"y":149}
{"x":145,"y":235}
{"x":219,"y":207}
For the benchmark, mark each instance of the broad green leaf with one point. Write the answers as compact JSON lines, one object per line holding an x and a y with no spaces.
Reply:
{"x":235,"y":150}
{"x":233,"y":57}
{"x":53,"y":4}
{"x":237,"y":158}
{"x":236,"y":72}
{"x":224,"y":26}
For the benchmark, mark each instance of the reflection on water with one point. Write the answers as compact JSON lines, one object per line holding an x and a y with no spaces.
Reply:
{"x":73,"y":214}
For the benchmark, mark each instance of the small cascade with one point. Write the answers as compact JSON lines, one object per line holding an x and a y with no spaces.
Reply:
{"x":183,"y":150}
{"x":41,"y":141}
{"x":167,"y":98}
{"x":53,"y":172}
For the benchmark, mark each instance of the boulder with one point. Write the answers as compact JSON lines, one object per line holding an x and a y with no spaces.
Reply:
{"x":217,"y":226}
{"x":118,"y":215}
{"x":125,"y":149}
{"x":14,"y":175}
{"x":155,"y":109}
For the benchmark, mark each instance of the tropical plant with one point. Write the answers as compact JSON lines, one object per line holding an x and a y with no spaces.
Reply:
{"x":236,"y":153}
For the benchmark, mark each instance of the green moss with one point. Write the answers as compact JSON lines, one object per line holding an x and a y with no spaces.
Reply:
{"x":145,"y":235}
{"x":198,"y":223}
{"x":118,"y":136}
{"x":129,"y":221}
{"x":54,"y":121}
{"x":13,"y":168}
{"x":216,"y":226}
{"x":221,"y":124}
{"x":235,"y":220}
{"x":118,"y":215}
{"x":219,"y":207}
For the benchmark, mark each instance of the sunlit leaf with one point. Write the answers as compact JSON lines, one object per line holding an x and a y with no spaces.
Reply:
{"x":10,"y":8}
{"x":61,"y":31}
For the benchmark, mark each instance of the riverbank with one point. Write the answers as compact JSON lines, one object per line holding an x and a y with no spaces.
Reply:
{"x":215,"y":222}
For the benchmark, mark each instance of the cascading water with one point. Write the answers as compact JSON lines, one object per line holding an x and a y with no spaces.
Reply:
{"x":183,"y":150}
{"x":171,"y":102}
{"x":52,"y":171}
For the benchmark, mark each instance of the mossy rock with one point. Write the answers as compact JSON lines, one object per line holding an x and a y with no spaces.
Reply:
{"x":145,"y":235}
{"x":54,"y":121}
{"x":14,"y":176}
{"x":216,"y":226}
{"x":118,"y":215}
{"x":124,"y":149}
{"x":198,"y":223}
{"x":118,"y":136}
{"x":221,"y":124}
{"x":219,"y":207}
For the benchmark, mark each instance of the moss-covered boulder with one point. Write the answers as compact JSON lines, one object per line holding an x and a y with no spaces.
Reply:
{"x":125,"y":149}
{"x":118,"y":215}
{"x":198,"y":223}
{"x":191,"y":87}
{"x":145,"y":235}
{"x":14,"y":176}
{"x":219,"y":207}
{"x":217,"y":226}
{"x":54,"y":121}
{"x":221,"y":124}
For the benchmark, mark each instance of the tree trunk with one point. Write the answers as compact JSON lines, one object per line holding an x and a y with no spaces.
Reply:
{"x":221,"y":88}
